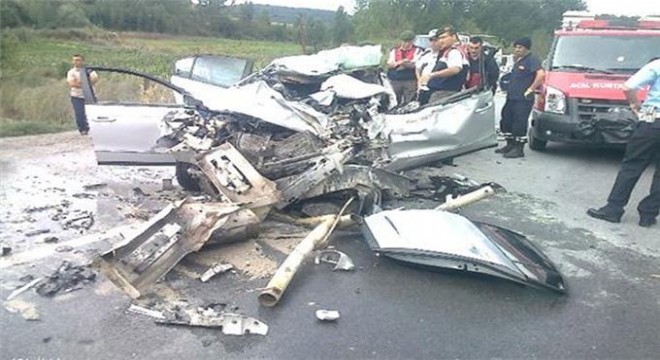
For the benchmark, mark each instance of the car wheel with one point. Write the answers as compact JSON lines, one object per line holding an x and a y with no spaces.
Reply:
{"x":536,"y":143}
{"x":185,"y":179}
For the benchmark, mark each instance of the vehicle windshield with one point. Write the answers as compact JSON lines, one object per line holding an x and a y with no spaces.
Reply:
{"x":218,"y":70}
{"x":618,"y":54}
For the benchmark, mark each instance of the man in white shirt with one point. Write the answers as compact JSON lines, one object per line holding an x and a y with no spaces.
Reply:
{"x":424,"y":66}
{"x":73,"y":78}
{"x":450,"y":70}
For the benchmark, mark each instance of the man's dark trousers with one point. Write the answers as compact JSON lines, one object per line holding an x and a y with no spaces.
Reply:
{"x":79,"y":111}
{"x":642,"y":149}
{"x":515,"y":115}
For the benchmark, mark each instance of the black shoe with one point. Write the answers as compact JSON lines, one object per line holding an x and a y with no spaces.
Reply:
{"x":647,"y":221}
{"x":603,"y":214}
{"x":516,"y":151}
{"x":506,"y":148}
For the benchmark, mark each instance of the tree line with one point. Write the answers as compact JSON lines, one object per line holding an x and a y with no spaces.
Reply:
{"x":372,"y":20}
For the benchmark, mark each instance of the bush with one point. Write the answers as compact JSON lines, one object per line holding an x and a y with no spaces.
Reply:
{"x":49,"y":102}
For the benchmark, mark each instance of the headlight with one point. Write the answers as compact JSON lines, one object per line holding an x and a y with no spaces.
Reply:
{"x":555,"y":101}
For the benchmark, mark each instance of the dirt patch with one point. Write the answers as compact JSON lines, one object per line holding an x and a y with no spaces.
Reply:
{"x":13,"y":148}
{"x":246,"y":257}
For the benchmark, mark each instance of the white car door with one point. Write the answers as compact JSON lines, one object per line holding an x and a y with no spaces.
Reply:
{"x":125,"y":111}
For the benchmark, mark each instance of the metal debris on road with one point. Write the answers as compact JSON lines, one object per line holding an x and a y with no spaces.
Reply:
{"x":51,"y":239}
{"x":317,"y":238}
{"x":214,"y":270}
{"x":23,"y":289}
{"x":229,"y":323}
{"x":95,"y":186}
{"x":335,"y":257}
{"x":66,"y":278}
{"x":147,"y":312}
{"x":37,"y":232}
{"x":64,"y":248}
{"x":327,"y":315}
{"x":6,"y":250}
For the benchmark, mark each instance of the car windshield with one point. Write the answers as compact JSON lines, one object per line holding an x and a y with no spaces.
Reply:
{"x":620,"y":54}
{"x":218,"y":70}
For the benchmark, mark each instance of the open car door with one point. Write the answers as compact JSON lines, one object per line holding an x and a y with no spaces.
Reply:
{"x":125,"y":111}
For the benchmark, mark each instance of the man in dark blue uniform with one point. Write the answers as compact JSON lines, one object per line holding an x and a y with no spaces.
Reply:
{"x":526,"y":76}
{"x":642,"y":149}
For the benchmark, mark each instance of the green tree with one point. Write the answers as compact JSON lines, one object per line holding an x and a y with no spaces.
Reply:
{"x":342,"y":28}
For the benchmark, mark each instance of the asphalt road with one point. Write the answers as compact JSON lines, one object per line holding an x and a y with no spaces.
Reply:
{"x":388,"y":310}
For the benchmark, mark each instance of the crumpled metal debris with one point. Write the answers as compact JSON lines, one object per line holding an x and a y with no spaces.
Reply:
{"x":215,"y":270}
{"x":229,"y":323}
{"x":66,"y":278}
{"x":335,"y":257}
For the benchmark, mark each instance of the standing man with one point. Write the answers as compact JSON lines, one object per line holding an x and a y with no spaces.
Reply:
{"x":482,"y":63}
{"x":73,"y":77}
{"x":424,"y":66}
{"x":450,"y":70}
{"x":526,"y":75}
{"x":641,"y":150}
{"x":401,"y":68}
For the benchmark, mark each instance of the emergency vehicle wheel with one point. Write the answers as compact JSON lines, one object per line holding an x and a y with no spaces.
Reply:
{"x":536,"y":143}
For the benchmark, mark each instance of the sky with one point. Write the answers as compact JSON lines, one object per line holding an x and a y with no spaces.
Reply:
{"x":615,"y":7}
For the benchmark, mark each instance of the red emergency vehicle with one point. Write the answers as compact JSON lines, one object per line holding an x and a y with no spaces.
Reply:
{"x":581,"y":100}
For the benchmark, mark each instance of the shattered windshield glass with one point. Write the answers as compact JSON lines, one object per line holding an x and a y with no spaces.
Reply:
{"x":221,"y":71}
{"x":623,"y":54}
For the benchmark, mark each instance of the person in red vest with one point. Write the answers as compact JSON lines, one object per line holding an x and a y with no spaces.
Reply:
{"x":401,"y":68}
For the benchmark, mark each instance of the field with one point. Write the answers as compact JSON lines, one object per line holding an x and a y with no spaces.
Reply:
{"x":33,"y":92}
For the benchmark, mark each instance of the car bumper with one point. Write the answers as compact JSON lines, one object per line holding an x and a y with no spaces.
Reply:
{"x":562,"y":128}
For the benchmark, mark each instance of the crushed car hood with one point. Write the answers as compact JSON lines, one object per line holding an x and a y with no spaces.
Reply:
{"x":451,"y":241}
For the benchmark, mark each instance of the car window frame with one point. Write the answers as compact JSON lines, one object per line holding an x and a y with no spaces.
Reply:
{"x":90,"y":95}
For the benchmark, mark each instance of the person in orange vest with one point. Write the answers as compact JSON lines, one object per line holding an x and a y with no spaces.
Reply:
{"x":401,"y":68}
{"x":450,"y":69}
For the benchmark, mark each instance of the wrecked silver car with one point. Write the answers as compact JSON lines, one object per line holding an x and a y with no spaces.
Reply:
{"x":302,"y":127}
{"x":327,"y":110}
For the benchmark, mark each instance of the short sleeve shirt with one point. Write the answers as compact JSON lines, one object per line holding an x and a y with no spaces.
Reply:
{"x":522,"y":77}
{"x":648,"y":75}
{"x":74,"y":74}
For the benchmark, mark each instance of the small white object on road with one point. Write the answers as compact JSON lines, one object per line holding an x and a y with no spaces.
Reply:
{"x":327,"y":315}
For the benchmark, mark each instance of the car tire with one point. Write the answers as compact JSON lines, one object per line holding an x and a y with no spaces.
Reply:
{"x":536,"y":143}
{"x":185,"y":179}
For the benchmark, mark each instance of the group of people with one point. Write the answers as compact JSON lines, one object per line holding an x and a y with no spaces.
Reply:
{"x":443,"y":69}
{"x":447,"y":67}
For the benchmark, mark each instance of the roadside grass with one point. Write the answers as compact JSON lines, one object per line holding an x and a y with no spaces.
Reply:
{"x":10,"y":127}
{"x":33,"y":92}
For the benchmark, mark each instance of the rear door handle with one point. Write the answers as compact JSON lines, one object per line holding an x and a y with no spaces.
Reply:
{"x":103,"y":119}
{"x":482,"y":109}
